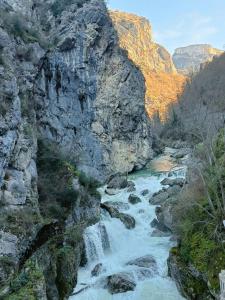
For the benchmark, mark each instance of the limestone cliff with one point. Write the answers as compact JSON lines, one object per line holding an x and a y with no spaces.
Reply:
{"x":163,"y":84}
{"x":64,"y":83}
{"x":189,"y":59}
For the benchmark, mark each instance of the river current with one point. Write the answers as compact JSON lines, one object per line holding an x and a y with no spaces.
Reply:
{"x":112,"y":245}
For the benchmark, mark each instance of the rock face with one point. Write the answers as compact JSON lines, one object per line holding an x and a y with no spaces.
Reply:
{"x":189,"y":59}
{"x":89,"y":96}
{"x":163,"y":84}
{"x":80,"y":93}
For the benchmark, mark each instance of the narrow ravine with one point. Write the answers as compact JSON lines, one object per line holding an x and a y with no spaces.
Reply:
{"x":109,"y":243}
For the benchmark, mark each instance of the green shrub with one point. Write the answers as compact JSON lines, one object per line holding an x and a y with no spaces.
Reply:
{"x":56,"y":194}
{"x":23,"y":285}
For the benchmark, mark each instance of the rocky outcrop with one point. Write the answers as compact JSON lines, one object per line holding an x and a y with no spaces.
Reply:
{"x":163,"y":84}
{"x":120,"y":283}
{"x":191,"y":59}
{"x":127,"y":220}
{"x":89,"y":96}
{"x":65,"y":81}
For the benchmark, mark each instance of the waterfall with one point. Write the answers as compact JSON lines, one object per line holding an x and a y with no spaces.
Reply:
{"x":96,"y":242}
{"x":110,"y":246}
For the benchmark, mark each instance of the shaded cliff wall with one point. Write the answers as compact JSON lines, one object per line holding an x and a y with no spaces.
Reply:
{"x":64,"y":81}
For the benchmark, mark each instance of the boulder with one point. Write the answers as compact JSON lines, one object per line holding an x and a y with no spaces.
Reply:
{"x":159,"y":198}
{"x":98,"y":269}
{"x":120,"y":283}
{"x":118,"y":205}
{"x":181,"y":153}
{"x":133,"y":199}
{"x":143,"y":273}
{"x":159,"y":226}
{"x":126,"y":219}
{"x":131,"y":189}
{"x":130,"y":184}
{"x":145,"y":192}
{"x":158,"y":233}
{"x":111,"y":192}
{"x":164,"y":216}
{"x":118,"y":181}
{"x":147,"y":261}
{"x":164,"y":195}
{"x":172,"y":182}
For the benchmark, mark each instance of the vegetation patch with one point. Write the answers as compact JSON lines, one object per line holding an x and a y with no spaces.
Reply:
{"x":24,"y":286}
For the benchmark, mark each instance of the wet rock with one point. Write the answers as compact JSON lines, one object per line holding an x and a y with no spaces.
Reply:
{"x":111,"y":192}
{"x":131,"y":189}
{"x":133,"y":199}
{"x":145,"y":192}
{"x":118,"y":205}
{"x":158,"y":233}
{"x":154,"y":223}
{"x":120,"y":283}
{"x":172,"y":182}
{"x":164,"y":214}
{"x":126,"y":219}
{"x":181,"y":153}
{"x":117,"y":182}
{"x":130,"y":184}
{"x":159,"y":198}
{"x":164,"y":195}
{"x":143,"y":273}
{"x":98,"y":269}
{"x":147,"y":261}
{"x":159,"y":226}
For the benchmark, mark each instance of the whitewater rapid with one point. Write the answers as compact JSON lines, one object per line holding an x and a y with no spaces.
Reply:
{"x":118,"y":245}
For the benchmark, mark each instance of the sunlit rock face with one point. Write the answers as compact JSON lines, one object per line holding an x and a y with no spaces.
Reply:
{"x":163,"y":83}
{"x":190,"y":59}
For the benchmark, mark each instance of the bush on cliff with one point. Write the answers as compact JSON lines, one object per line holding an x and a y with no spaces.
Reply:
{"x":56,"y":193}
{"x":199,"y":216}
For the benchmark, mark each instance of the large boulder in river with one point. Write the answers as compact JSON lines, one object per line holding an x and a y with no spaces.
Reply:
{"x":117,"y":181}
{"x":118,"y":205}
{"x":133,"y":199}
{"x":147,"y":261}
{"x":172,"y":182}
{"x":163,"y":195}
{"x":120,"y":283}
{"x":126,"y":219}
{"x":111,"y":192}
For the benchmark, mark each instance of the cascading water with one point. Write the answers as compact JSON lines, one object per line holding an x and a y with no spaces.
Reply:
{"x":126,"y":245}
{"x":96,"y":242}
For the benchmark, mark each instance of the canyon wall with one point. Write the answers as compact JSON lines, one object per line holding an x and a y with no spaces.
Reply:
{"x":71,"y":100}
{"x":163,"y":83}
{"x":190,"y":59}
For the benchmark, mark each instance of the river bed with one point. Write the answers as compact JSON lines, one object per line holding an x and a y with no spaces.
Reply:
{"x":124,"y":245}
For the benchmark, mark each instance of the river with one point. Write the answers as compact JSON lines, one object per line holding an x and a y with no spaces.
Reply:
{"x":126,"y":245}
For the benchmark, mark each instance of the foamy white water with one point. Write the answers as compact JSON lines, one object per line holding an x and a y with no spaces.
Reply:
{"x":126,"y":245}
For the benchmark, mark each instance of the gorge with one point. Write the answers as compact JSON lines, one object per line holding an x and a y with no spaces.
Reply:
{"x":93,"y":197}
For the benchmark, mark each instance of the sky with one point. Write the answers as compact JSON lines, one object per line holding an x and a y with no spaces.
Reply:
{"x":178,"y":23}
